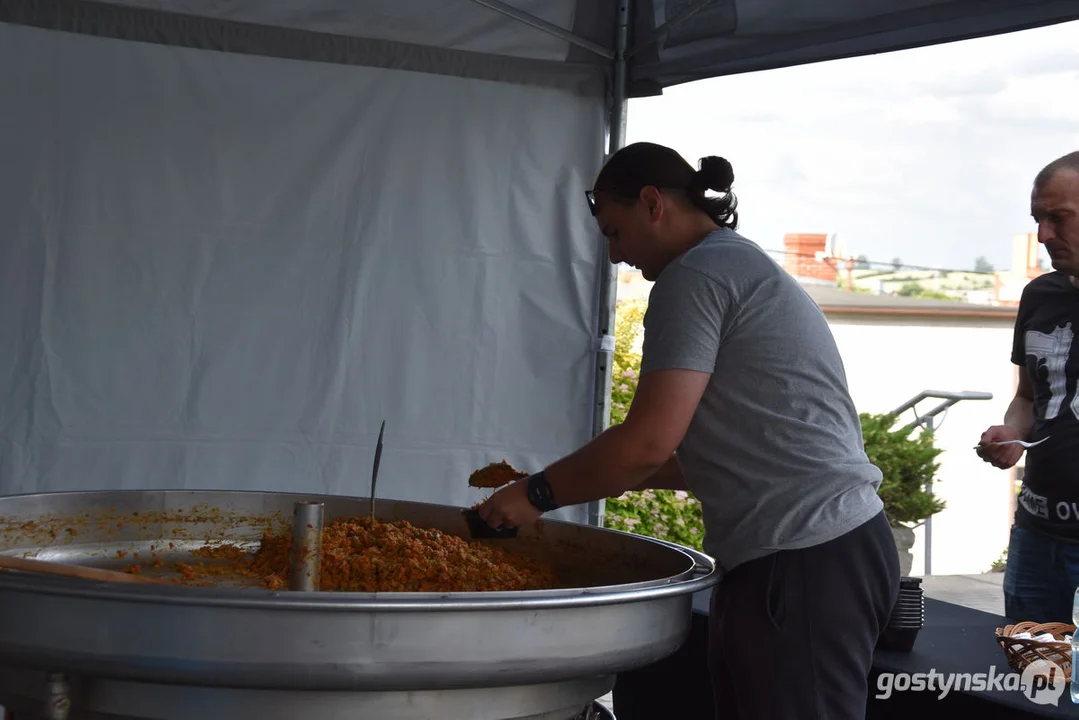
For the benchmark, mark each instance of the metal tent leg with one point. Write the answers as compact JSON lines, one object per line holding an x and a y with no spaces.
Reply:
{"x":608,"y":287}
{"x":608,"y":284}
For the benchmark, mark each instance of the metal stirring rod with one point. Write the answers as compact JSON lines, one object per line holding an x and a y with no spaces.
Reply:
{"x":305,"y":573}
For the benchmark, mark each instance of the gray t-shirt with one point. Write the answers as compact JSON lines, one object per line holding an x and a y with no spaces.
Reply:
{"x":774,"y":451}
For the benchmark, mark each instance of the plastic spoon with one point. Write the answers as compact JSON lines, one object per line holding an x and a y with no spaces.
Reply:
{"x":1024,"y":443}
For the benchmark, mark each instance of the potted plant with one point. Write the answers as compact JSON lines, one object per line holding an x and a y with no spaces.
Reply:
{"x":908,"y":461}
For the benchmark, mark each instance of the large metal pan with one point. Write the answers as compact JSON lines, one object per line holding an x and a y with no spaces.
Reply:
{"x":625,"y":602}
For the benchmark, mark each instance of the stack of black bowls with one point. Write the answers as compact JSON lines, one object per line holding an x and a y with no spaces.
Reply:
{"x":907,"y":618}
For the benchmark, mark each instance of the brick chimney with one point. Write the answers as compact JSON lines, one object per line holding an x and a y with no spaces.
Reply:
{"x":801,"y":255}
{"x":1008,"y":286}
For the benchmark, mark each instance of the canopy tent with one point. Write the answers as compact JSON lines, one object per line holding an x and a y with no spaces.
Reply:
{"x":236,"y":236}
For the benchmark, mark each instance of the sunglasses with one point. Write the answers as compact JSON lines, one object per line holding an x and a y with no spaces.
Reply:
{"x":590,"y":196}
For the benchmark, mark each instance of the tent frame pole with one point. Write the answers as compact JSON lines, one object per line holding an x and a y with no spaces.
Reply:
{"x":616,"y":139}
{"x":661,"y":32}
{"x":550,"y":28}
{"x":608,"y":284}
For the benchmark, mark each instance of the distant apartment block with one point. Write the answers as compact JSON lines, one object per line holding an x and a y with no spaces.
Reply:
{"x":814,"y":260}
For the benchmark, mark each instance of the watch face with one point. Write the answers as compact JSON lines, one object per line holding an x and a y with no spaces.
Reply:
{"x":539,"y":494}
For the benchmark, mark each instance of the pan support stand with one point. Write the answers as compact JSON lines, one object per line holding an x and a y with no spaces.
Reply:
{"x":57,"y":697}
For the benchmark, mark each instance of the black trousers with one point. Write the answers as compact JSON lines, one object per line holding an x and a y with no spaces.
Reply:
{"x":791,"y":634}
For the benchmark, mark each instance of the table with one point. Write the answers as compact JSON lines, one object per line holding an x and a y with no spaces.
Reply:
{"x":955,"y":639}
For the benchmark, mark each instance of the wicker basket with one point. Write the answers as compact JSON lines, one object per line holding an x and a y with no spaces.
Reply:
{"x":1021,"y":652}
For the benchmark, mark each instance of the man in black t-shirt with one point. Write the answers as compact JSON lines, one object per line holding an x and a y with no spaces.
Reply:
{"x":1042,"y":570}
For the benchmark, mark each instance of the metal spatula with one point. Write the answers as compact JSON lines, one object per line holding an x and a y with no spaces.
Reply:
{"x":480,"y":530}
{"x":374,"y":470}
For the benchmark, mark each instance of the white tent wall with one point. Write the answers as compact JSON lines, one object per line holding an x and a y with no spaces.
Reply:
{"x":224,"y":271}
{"x":234,"y":237}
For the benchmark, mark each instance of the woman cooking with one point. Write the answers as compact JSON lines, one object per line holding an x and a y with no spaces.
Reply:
{"x":741,"y":376}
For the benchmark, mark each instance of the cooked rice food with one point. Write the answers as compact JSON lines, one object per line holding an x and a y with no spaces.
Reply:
{"x":495,"y":475}
{"x":365,"y":555}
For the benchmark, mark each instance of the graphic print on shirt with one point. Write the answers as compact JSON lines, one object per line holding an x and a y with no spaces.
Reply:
{"x":1051,"y":352}
{"x":1035,"y":504}
{"x":1045,"y":345}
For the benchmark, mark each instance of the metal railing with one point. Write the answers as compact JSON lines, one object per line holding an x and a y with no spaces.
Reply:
{"x":950,"y":398}
{"x":927,"y":420}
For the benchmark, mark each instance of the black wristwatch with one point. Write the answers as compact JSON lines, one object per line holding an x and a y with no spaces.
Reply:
{"x":540,"y":494}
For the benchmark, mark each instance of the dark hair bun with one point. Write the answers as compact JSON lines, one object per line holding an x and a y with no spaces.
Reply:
{"x":715,"y":173}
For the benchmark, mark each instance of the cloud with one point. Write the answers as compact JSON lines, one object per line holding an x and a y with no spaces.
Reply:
{"x":926,"y":154}
{"x":1050,"y":96}
{"x":1047,"y":62}
{"x":923,"y":109}
{"x":983,"y":82}
{"x":785,"y":169}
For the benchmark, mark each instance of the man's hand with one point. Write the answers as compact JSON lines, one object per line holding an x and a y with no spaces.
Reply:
{"x":1001,"y":456}
{"x":509,"y":507}
{"x":1018,"y":421}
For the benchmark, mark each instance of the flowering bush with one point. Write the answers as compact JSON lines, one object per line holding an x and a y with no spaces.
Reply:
{"x":672,"y":515}
{"x":626,"y":361}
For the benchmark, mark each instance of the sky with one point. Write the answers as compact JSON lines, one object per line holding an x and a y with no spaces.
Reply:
{"x":926,"y":155}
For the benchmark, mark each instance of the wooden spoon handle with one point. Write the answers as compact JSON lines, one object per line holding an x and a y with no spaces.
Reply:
{"x":76,"y":571}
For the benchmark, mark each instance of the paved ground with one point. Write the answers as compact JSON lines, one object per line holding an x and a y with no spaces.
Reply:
{"x":981,"y":592}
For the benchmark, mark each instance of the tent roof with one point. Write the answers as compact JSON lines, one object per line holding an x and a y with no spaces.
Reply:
{"x":559,"y":41}
{"x":735,"y":36}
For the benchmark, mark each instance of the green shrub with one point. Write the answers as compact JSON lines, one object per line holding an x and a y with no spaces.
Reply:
{"x":908,"y":461}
